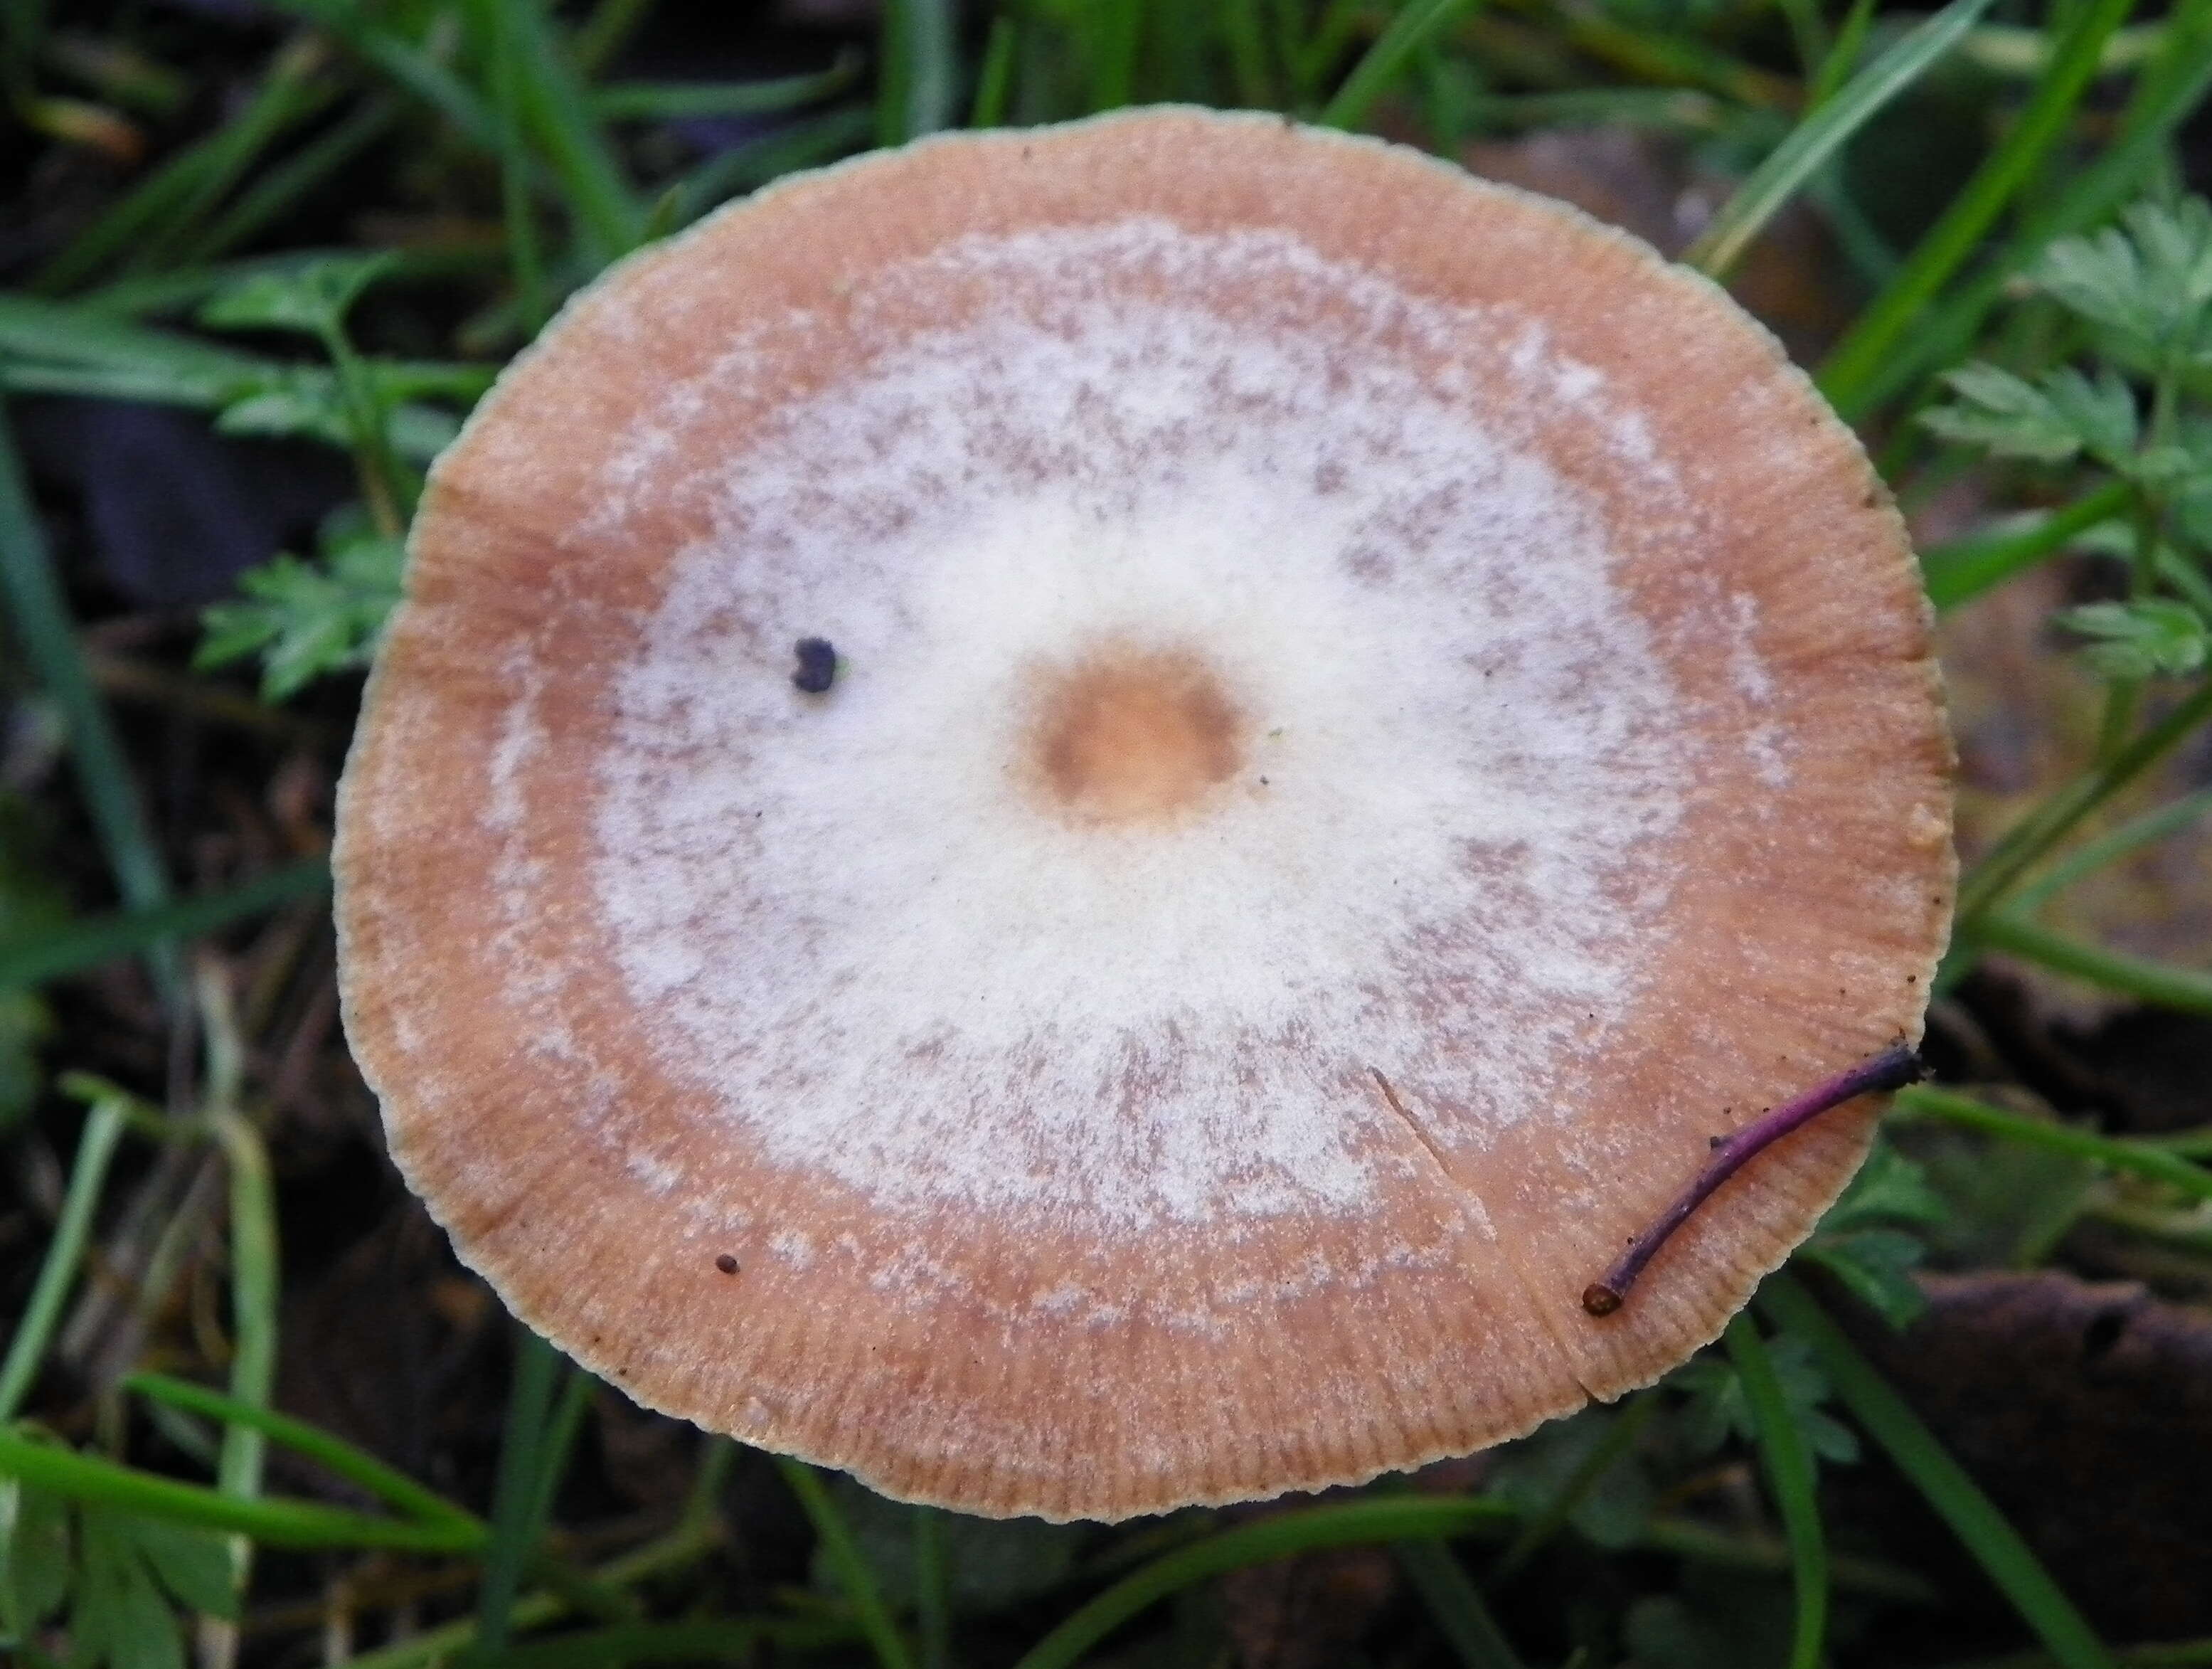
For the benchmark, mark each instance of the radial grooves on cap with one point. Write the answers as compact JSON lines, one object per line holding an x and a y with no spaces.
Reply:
{"x":1694,"y":782}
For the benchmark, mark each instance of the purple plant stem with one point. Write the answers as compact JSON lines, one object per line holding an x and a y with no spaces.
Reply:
{"x":1892,"y":1070}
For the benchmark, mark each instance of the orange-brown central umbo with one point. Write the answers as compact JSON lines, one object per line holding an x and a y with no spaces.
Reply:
{"x":1133,"y":735}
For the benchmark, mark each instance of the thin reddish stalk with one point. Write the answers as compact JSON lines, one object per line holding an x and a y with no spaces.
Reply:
{"x":1892,"y":1070}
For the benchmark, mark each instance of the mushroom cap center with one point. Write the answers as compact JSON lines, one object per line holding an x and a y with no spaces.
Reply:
{"x":1130,"y":736}
{"x":1190,"y":757}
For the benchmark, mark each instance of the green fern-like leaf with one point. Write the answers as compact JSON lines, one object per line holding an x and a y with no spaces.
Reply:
{"x":307,"y":620}
{"x":2148,"y":281}
{"x":2139,"y":639}
{"x":2051,"y":420}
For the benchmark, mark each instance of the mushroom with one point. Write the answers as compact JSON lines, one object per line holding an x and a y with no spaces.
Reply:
{"x":1374,"y":719}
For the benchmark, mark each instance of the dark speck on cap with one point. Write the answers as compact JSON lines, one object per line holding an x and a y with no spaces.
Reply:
{"x":818,"y":665}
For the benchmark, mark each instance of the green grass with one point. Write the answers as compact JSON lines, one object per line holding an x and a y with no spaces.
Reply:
{"x":65,"y":1257}
{"x":1789,"y":1465}
{"x":40,"y":622}
{"x":510,"y":153}
{"x":1792,"y":164}
{"x":1996,"y":1546}
{"x":1390,"y":1519}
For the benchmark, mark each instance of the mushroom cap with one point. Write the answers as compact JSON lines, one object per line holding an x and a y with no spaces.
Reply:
{"x":1373,"y":718}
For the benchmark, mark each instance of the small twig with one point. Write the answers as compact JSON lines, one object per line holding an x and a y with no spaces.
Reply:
{"x":1892,"y":1070}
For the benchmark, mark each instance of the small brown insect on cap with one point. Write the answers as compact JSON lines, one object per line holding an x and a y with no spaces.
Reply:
{"x":1371,"y":709}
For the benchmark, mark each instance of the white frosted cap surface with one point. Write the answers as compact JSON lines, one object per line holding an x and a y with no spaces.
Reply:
{"x":886,"y":956}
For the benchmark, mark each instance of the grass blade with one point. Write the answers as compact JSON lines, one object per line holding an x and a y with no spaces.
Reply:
{"x":70,"y":346}
{"x":851,"y":1566}
{"x":1815,"y":139}
{"x":296,"y":90}
{"x":1641,"y":51}
{"x":1455,"y":1606}
{"x":1313,"y":41}
{"x":2092,"y":855}
{"x":412,"y":69}
{"x":277,"y":192}
{"x":93,"y":383}
{"x":932,"y":1599}
{"x":1875,"y":335}
{"x":743,"y":168}
{"x":1247,"y":47}
{"x":738,"y":1641}
{"x":1418,"y":22}
{"x":1808,"y":33}
{"x":1995,"y":1545}
{"x":1116,"y":37}
{"x":1384,"y":1519}
{"x":2029,"y":839}
{"x":561,"y":1427}
{"x":1963,"y":570}
{"x":2185,"y":991}
{"x":255,"y":1265}
{"x":2142,"y":1159}
{"x":556,"y":112}
{"x":95,"y":1150}
{"x":517,"y":209}
{"x":1842,"y":55}
{"x":995,"y":85}
{"x":919,"y":77}
{"x":516,"y":1496}
{"x":695,"y":1534}
{"x":273,"y":1523}
{"x":333,"y":1454}
{"x":173,"y":196}
{"x":254,"y":1274}
{"x":169,"y":293}
{"x":661,"y":101}
{"x":1695,"y":1540}
{"x":66,"y":332}
{"x":48,"y":637}
{"x":87,"y":944}
{"x":1628,"y":107}
{"x":1790,"y":1474}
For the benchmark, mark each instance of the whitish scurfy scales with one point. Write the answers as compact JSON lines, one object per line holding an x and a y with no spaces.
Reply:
{"x":1450,"y":748}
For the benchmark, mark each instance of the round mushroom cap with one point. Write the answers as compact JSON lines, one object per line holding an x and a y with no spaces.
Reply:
{"x":1356,"y":720}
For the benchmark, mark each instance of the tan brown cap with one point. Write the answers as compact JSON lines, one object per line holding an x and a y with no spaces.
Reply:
{"x":1367,"y":719}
